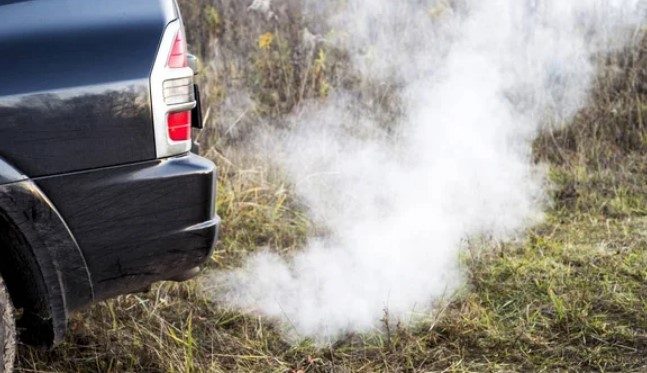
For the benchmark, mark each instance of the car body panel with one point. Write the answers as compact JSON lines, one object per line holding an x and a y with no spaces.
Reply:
{"x":59,"y":260}
{"x":74,"y":82}
{"x":139,"y":223}
{"x":8,"y":174}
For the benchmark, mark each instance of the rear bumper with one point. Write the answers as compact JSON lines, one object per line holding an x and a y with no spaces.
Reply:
{"x":141,"y":223}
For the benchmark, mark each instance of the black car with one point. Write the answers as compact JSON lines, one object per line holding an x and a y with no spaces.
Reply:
{"x":100,"y":192}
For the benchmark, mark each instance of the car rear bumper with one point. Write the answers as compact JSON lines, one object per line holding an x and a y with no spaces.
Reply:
{"x":140,"y":223}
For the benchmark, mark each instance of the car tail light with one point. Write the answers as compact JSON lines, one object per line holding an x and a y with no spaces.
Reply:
{"x":179,"y":126}
{"x":179,"y":54}
{"x":172,"y":93}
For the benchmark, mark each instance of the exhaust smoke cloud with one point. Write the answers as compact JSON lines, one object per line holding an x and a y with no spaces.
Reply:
{"x":476,"y":80}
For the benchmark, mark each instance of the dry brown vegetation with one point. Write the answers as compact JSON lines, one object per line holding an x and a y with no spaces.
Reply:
{"x":572,"y":296}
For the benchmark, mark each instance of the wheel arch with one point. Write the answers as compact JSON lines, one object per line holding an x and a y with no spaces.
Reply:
{"x":43,"y":266}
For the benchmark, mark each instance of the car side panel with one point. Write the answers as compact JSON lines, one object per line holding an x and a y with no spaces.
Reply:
{"x":60,"y":263}
{"x":9,"y":174}
{"x":141,"y":223}
{"x":74,"y":82}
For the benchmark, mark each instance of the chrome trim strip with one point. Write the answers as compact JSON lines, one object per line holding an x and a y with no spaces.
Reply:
{"x":180,"y":107}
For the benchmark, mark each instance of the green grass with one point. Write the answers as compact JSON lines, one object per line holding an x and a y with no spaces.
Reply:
{"x":573,"y":296}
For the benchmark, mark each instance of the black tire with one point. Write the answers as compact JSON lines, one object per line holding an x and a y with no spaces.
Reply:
{"x":7,"y":331}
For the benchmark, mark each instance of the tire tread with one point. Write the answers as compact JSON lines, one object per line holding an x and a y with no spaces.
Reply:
{"x":7,"y":331}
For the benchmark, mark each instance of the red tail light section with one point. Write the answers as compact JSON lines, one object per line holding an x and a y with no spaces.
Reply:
{"x":179,"y":55}
{"x":179,"y":126}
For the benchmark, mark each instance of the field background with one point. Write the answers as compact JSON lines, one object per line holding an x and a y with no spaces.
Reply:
{"x":572,"y":296}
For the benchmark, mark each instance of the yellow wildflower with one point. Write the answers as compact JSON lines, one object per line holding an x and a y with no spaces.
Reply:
{"x":265,"y":40}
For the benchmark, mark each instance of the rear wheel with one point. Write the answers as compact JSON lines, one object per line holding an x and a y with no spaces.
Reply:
{"x":7,"y":331}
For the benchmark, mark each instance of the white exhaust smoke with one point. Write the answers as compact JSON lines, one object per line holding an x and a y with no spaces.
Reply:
{"x":476,"y":80}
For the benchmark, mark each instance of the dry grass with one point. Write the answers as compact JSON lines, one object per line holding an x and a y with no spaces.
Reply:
{"x":572,"y":296}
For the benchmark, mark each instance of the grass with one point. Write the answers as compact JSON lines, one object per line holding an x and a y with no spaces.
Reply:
{"x":571,"y":296}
